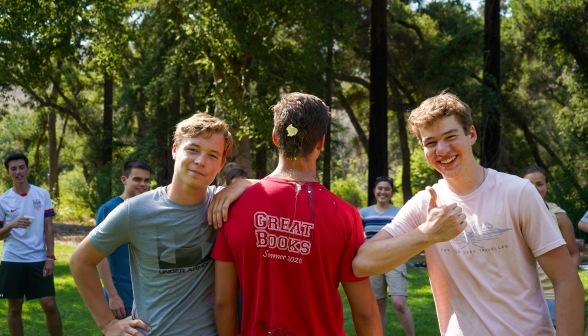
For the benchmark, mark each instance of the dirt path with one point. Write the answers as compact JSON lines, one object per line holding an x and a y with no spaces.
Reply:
{"x":69,"y":234}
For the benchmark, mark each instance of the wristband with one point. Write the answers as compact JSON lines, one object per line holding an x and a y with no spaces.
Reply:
{"x":51,"y":256}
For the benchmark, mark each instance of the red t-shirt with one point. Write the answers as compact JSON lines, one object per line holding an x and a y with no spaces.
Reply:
{"x":291,"y":249}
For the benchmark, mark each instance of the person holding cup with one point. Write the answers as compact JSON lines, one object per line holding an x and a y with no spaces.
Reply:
{"x":26,"y":225}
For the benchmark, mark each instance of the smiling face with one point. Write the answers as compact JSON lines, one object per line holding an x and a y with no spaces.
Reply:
{"x":199,"y":159}
{"x":18,"y":172}
{"x":539,"y":181}
{"x":447,"y":148}
{"x":137,"y":182}
{"x":383,"y":192}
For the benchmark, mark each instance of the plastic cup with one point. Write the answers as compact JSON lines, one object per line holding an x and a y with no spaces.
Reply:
{"x":31,"y":219}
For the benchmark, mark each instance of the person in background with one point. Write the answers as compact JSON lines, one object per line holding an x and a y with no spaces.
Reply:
{"x":374,"y":218}
{"x":289,"y":242}
{"x":28,"y":259}
{"x":115,"y":271}
{"x":538,"y":177}
{"x":235,"y":174}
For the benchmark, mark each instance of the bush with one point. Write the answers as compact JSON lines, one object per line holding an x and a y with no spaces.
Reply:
{"x":74,"y":204}
{"x":352,"y":189}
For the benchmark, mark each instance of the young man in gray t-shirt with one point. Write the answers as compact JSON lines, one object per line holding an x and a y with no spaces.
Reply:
{"x":169,"y":239}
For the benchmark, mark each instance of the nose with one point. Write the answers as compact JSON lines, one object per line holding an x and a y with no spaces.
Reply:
{"x":442,"y":147}
{"x":200,"y":159}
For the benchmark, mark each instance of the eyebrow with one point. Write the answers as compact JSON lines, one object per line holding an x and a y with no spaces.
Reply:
{"x":198,"y":146}
{"x":450,"y":131}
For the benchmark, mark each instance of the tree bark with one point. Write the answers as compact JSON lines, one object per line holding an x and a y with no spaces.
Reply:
{"x":378,"y":132}
{"x":329,"y":103}
{"x":53,"y":159}
{"x":105,"y":189}
{"x":490,"y":155}
{"x":360,"y":133}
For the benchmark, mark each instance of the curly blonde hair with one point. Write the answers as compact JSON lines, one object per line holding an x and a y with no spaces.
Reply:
{"x":437,"y":107}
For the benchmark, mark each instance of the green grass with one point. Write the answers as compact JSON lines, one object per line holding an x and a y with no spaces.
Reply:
{"x":420,"y":302}
{"x":75,"y":316}
{"x":77,"y":320}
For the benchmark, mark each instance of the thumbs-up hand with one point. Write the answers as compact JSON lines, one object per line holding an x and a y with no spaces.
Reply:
{"x":444,"y":222}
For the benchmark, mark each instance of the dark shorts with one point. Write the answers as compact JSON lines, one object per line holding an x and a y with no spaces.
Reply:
{"x":18,"y":280}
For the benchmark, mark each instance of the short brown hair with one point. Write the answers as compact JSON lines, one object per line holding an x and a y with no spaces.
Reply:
{"x":437,"y":107}
{"x":202,"y":122}
{"x":305,"y":113}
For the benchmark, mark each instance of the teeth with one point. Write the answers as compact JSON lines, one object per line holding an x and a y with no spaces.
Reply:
{"x":448,"y":160}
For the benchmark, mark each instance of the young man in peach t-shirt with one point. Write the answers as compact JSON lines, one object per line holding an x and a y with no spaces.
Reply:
{"x":482,"y":232}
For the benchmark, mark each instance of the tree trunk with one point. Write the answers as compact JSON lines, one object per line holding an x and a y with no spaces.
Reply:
{"x":490,"y":155}
{"x":261,"y":161}
{"x":105,"y":171}
{"x":53,"y":156}
{"x":329,"y":103}
{"x":378,"y":132}
{"x":405,"y":151}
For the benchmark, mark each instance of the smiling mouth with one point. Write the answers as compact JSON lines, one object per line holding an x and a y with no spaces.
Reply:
{"x":451,"y":159}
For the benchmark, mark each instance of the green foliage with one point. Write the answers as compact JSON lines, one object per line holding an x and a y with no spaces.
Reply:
{"x":351,"y":189}
{"x":75,"y":204}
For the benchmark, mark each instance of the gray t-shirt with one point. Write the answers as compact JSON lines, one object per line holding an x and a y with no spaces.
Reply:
{"x":171,"y":269}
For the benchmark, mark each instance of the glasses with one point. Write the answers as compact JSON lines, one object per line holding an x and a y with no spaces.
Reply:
{"x":383,"y":178}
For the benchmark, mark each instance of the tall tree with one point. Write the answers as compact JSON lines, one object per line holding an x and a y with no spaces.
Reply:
{"x":490,"y":154}
{"x":378,"y":129}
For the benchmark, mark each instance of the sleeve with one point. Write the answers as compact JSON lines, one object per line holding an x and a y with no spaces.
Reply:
{"x":101,"y":214}
{"x":585,"y":218}
{"x":539,"y":229}
{"x":221,"y":249}
{"x":353,"y":243}
{"x":113,"y":231}
{"x":49,"y":212}
{"x":410,"y":216}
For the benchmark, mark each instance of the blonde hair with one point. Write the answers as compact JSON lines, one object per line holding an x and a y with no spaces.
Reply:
{"x":437,"y":107}
{"x":203,"y":123}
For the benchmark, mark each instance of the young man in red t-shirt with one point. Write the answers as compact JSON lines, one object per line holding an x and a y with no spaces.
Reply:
{"x":289,"y":242}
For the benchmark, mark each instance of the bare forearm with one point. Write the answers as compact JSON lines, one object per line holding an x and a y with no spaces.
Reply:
{"x":368,"y":323}
{"x":49,"y":241}
{"x":569,"y":307}
{"x":106,"y":276}
{"x":379,"y":256}
{"x":88,"y":284}
{"x":226,"y":319}
{"x":583,"y":226}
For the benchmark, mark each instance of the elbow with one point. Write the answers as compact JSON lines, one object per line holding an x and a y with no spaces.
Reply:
{"x":583,"y":226}
{"x":358,"y":265}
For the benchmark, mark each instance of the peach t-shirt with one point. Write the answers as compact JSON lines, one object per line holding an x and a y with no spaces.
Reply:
{"x":485,"y":281}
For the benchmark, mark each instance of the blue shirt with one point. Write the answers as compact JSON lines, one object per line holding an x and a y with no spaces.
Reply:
{"x":373,"y":221}
{"x":119,"y":259}
{"x":585,"y":218}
